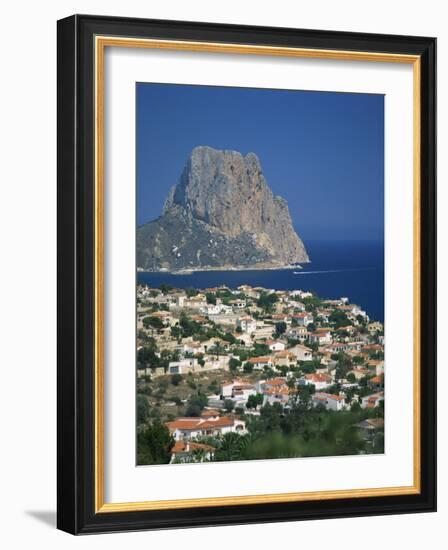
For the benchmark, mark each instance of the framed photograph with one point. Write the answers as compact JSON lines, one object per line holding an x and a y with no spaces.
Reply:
{"x":246,"y":271}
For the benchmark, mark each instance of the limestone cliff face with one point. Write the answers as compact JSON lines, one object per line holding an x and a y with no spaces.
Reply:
{"x":221,"y":214}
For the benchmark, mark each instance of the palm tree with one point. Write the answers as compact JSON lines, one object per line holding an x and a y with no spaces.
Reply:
{"x":232,"y":447}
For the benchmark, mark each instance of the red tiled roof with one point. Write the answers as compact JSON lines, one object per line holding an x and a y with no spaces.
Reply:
{"x":181,"y":447}
{"x":276,"y":382}
{"x":184,"y":423}
{"x":244,"y":387}
{"x":323,"y":396}
{"x":284,"y":353}
{"x":193,"y":423}
{"x":259,"y":360}
{"x":318,"y":377}
{"x":284,"y":390}
{"x":218,"y":423}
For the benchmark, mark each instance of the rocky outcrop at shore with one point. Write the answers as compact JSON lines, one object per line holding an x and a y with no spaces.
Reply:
{"x":221,"y":214}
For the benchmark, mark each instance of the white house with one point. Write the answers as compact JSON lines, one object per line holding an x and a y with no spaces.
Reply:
{"x":354,"y":310}
{"x":238,"y":304}
{"x":187,"y":428}
{"x":284,"y":358}
{"x":302,"y":353}
{"x":320,"y":337}
{"x":241,"y":392}
{"x":246,"y":324}
{"x":375,"y":327}
{"x":180,"y":300}
{"x":274,"y":390}
{"x":330,"y":401}
{"x":301,"y":293}
{"x":276,"y":395}
{"x":195,"y":302}
{"x":211,"y":309}
{"x":183,"y":366}
{"x":227,"y":387}
{"x":263,"y":331}
{"x":191,"y":347}
{"x":184,"y":451}
{"x":297,"y":333}
{"x":260,"y":362}
{"x":304,"y":318}
{"x":297,"y":305}
{"x":372,"y":401}
{"x":376,"y":365}
{"x":281,"y":318}
{"x":337,"y":347}
{"x":319,"y":380}
{"x":275,"y":345}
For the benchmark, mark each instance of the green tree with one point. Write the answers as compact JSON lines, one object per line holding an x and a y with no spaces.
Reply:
{"x":176,"y":379}
{"x":189,"y":327}
{"x":344,"y":365}
{"x":193,"y":409}
{"x":153,"y":322}
{"x":267,"y":300}
{"x":195,"y":404}
{"x":310,"y":302}
{"x":165,"y":288}
{"x":228,"y":337}
{"x":190,"y":292}
{"x":142,"y":409}
{"x":229,"y":405}
{"x":146,"y":357}
{"x":248,"y":367}
{"x":338,"y":318}
{"x":260,"y":349}
{"x":234,"y":364}
{"x":254,"y":400}
{"x":176,"y":332}
{"x":231,"y":447}
{"x":211,"y":298}
{"x":280,"y":328}
{"x":154,"y":444}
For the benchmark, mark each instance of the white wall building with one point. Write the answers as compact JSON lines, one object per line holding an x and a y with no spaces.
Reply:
{"x":318,"y":380}
{"x":188,"y":428}
{"x":303,"y":319}
{"x":302,"y":353}
{"x":276,"y":345}
{"x":246,"y":324}
{"x":330,"y":401}
{"x":372,"y":401}
{"x":183,"y":366}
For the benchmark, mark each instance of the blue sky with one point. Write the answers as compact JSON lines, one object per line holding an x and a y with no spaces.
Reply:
{"x":322,"y":151}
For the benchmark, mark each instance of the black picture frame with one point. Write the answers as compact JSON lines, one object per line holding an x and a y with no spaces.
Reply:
{"x":76,"y":256}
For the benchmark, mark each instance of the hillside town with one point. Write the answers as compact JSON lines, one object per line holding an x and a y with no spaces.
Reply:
{"x":245,"y":373}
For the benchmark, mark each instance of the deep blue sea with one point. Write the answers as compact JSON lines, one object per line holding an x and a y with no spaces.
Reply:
{"x":337,"y":268}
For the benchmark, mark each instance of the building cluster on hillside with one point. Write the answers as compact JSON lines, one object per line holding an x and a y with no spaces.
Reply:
{"x":272,"y":344}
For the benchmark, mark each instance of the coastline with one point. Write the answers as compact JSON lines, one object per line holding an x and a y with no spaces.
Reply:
{"x":256,"y":267}
{"x":339,"y":264}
